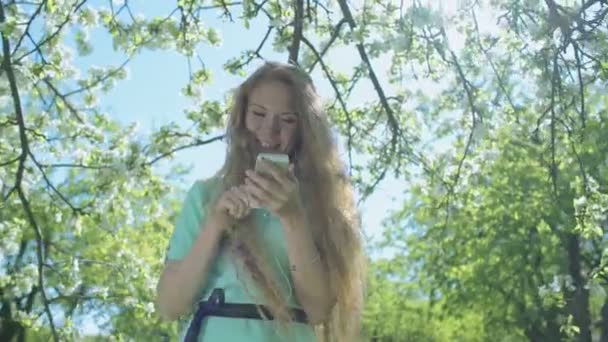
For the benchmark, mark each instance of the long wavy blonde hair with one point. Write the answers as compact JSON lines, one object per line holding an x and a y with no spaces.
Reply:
{"x":326,"y":192}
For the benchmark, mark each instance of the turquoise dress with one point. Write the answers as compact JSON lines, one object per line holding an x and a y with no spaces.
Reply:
{"x":223,"y":273}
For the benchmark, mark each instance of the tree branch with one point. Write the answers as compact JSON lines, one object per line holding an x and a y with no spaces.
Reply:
{"x":581,"y":85}
{"x":27,"y":26}
{"x":294,"y":50}
{"x":485,"y":51}
{"x":196,"y":143}
{"x":7,"y":67}
{"x":393,"y":123}
{"x":54,"y":34}
{"x":70,"y":165}
{"x":553,"y":168}
{"x":64,"y":99}
{"x":392,"y":120}
{"x":50,"y":185}
{"x":473,"y":108}
{"x":256,"y":53}
{"x":334,"y":85}
{"x":10,"y":161}
{"x":335,"y":34}
{"x":98,"y":80}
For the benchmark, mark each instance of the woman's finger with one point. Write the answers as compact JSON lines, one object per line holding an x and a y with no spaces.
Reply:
{"x":266,"y":182}
{"x":277,"y":173}
{"x":243,"y":206}
{"x":231,"y":203}
{"x":241,"y":195}
{"x":259,"y":195}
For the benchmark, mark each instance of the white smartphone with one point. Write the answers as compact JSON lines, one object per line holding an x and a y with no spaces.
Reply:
{"x":280,"y":159}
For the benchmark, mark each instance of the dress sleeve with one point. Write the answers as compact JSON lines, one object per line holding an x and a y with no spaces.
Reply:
{"x":188,"y":222}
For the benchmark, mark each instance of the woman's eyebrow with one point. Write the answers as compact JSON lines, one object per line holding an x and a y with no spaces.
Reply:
{"x":264,"y":108}
{"x":255,"y":104}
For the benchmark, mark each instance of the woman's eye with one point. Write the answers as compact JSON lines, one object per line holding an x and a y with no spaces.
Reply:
{"x":289,"y":121}
{"x":259,"y":114}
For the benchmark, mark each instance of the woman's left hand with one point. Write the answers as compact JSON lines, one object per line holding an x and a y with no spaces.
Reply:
{"x":274,"y":189}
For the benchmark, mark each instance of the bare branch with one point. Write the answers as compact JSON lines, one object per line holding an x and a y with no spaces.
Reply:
{"x":54,"y":34}
{"x":10,"y":161}
{"x":259,"y":7}
{"x":334,"y":85}
{"x":335,"y":34}
{"x":393,"y":123}
{"x":63,"y":98}
{"x":80,"y":166}
{"x":98,"y":80}
{"x":256,"y":53}
{"x":485,"y":51}
{"x":50,"y":185}
{"x":581,"y":85}
{"x":392,"y":120}
{"x":196,"y":143}
{"x":472,"y":107}
{"x":27,"y":26}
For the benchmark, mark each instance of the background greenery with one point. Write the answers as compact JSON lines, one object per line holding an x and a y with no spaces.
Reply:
{"x":501,"y":231}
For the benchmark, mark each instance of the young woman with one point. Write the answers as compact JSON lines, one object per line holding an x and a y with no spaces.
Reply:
{"x":277,"y":251}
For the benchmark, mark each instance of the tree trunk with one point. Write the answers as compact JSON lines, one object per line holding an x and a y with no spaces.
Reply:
{"x":604,"y":322}
{"x":9,"y":330}
{"x":579,"y":298}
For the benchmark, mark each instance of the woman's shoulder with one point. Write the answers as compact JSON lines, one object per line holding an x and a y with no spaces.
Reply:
{"x":203,"y":189}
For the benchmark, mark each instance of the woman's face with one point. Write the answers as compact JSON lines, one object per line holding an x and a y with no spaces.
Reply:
{"x":271,"y":118}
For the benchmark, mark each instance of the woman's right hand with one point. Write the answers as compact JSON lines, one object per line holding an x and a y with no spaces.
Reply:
{"x":232,"y":205}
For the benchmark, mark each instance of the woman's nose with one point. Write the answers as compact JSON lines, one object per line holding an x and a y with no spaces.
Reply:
{"x":271,"y":127}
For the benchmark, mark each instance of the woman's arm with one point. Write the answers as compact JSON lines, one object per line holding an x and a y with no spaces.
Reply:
{"x":278,"y":191}
{"x":181,"y":281}
{"x":309,"y":273}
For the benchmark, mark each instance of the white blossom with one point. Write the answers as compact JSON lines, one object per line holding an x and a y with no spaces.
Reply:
{"x":580,"y":202}
{"x":58,"y":217}
{"x":130,"y":301}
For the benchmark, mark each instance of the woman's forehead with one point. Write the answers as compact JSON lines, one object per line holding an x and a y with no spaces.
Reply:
{"x":272,"y":96}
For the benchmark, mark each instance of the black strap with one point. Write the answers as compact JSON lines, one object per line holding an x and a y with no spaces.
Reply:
{"x":216,"y":306}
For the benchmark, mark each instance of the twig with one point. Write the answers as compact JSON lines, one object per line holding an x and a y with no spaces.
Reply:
{"x":50,"y":185}
{"x":393,"y":123}
{"x":196,"y":143}
{"x":392,"y":120}
{"x":473,"y":108}
{"x":335,"y":34}
{"x":485,"y":51}
{"x":98,"y":80}
{"x":259,"y":7}
{"x":581,"y":85}
{"x":227,"y":12}
{"x":10,"y":161}
{"x":334,"y":85}
{"x":54,"y":34}
{"x":256,"y":53}
{"x":68,"y":165}
{"x":63,"y":98}
{"x":27,"y":27}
